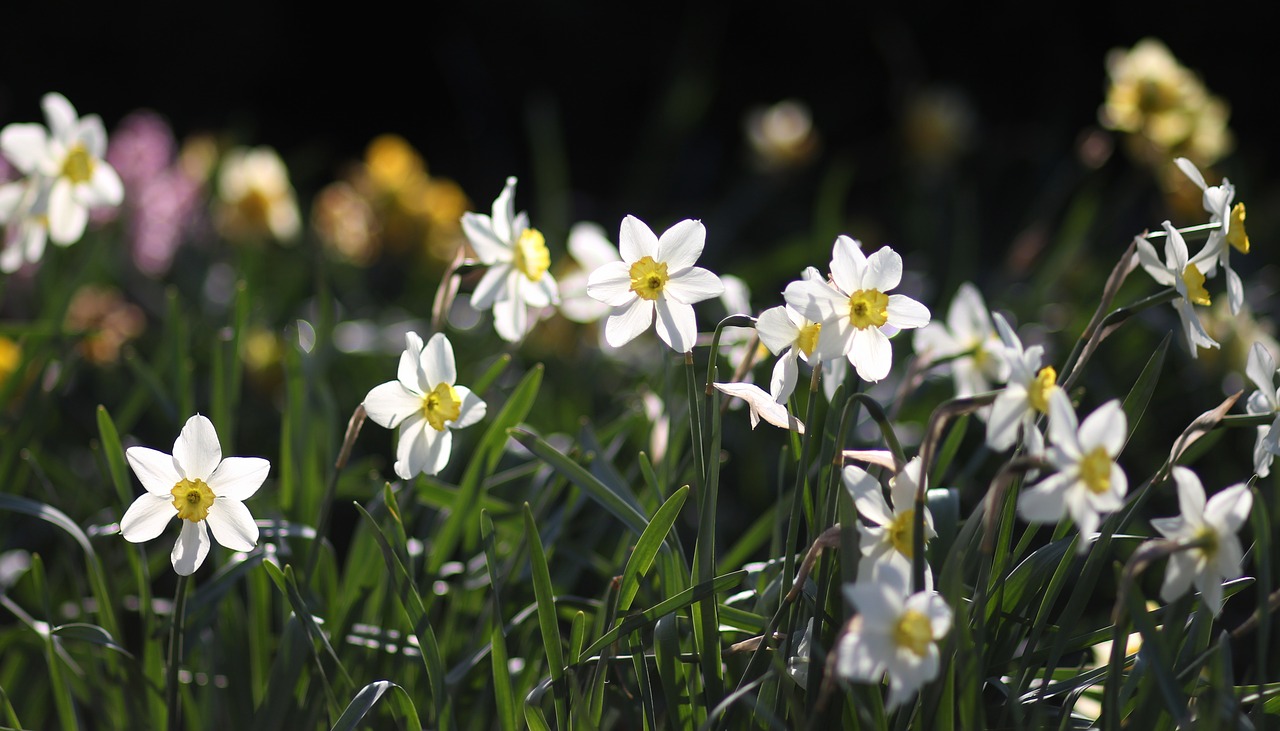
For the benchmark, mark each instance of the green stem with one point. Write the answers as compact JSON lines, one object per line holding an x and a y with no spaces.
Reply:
{"x":176,"y":630}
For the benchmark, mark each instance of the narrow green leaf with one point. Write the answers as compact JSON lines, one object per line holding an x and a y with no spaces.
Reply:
{"x":504,"y":700}
{"x":114,"y":454}
{"x":1135,"y":404}
{"x":547,"y":620}
{"x":641,"y":620}
{"x":364,"y":701}
{"x":594,"y":488}
{"x":647,"y":547}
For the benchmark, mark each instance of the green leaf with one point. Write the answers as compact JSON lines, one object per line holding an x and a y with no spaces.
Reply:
{"x":364,"y":701}
{"x":647,"y":547}
{"x":1135,"y":404}
{"x":619,"y":507}
{"x":545,"y":597}
{"x":91,"y":633}
{"x":642,"y":620}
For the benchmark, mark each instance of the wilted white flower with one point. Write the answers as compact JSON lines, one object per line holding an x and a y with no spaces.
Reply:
{"x":762,"y":405}
{"x":1211,"y":527}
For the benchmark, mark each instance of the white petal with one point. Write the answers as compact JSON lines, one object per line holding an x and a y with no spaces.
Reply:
{"x":232,"y":524}
{"x":25,"y":145}
{"x":589,"y":246}
{"x":437,"y":361}
{"x":191,"y":549}
{"x":611,"y":284}
{"x":628,"y":321}
{"x":680,"y":246}
{"x":762,"y":405}
{"x":1151,"y":262}
{"x":848,"y":265}
{"x":1229,"y":510}
{"x":106,"y":185}
{"x":408,"y":371}
{"x":1189,"y":169}
{"x":391,"y":403}
{"x":1190,"y":495}
{"x":1063,"y":427}
{"x":67,"y":218}
{"x":238,"y":478}
{"x":413,"y":430}
{"x":905,"y":313}
{"x":490,"y":286}
{"x":60,"y":115}
{"x":816,"y":300}
{"x":1261,"y":368}
{"x":470,"y":411}
{"x":1106,"y":427}
{"x":1235,"y":291}
{"x":504,"y":208}
{"x":1006,"y":415}
{"x":197,"y":451}
{"x":489,"y":247}
{"x":786,"y":372}
{"x":884,"y":270}
{"x":511,"y":319}
{"x":1045,"y":502}
{"x":636,"y":240}
{"x":871,"y":354}
{"x":693,"y":285}
{"x":776,"y":329}
{"x":676,"y":324}
{"x":146,"y":517}
{"x":156,"y":470}
{"x":1178,"y":575}
{"x":867,"y":497}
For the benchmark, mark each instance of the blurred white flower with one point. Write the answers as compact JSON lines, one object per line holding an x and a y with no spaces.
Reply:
{"x":969,"y":341}
{"x":591,"y":249}
{"x":1183,"y":275}
{"x":1088,"y":482}
{"x":257,"y":199}
{"x":656,"y":281}
{"x":426,"y":404}
{"x":197,"y":485}
{"x":1024,"y":398}
{"x":1261,"y":369}
{"x":890,"y":539}
{"x":24,"y":212}
{"x":1217,"y":250}
{"x":895,"y":632}
{"x":855,"y":310}
{"x":762,"y":406}
{"x":518,"y":260}
{"x":68,"y":159}
{"x":1215,"y":554}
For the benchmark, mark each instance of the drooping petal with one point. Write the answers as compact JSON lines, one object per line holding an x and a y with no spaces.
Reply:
{"x":680,"y":246}
{"x":871,"y":354}
{"x":611,"y":284}
{"x":628,"y":321}
{"x":232,"y":524}
{"x":146,"y":517}
{"x":636,"y":240}
{"x":676,"y":325}
{"x":693,"y":285}
{"x":197,"y":451}
{"x":906,"y":313}
{"x":156,"y":470}
{"x":437,"y":362}
{"x":238,"y":478}
{"x":191,"y":548}
{"x":762,"y":405}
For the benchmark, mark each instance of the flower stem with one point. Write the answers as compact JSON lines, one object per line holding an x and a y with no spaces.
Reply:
{"x":177,"y":627}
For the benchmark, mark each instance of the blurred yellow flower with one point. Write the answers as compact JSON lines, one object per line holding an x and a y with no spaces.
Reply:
{"x":10,"y":359}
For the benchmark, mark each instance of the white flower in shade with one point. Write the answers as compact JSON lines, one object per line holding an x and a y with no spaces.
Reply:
{"x":791,"y":337}
{"x":762,"y":405}
{"x":1088,"y":482}
{"x":257,"y":199}
{"x":1026,"y":396}
{"x":1211,"y":528}
{"x":895,"y":632}
{"x":1261,"y":369}
{"x":890,"y":539}
{"x":737,"y":343}
{"x":855,"y":309}
{"x":1217,"y":201}
{"x":591,"y":249}
{"x":968,"y":340}
{"x":518,"y":261}
{"x":656,"y":282}
{"x":24,"y":212}
{"x":68,"y":158}
{"x":426,"y":404}
{"x":1186,"y":276}
{"x":196,"y":484}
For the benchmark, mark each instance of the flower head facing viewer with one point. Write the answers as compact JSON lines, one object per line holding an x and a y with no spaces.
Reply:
{"x":656,"y":282}
{"x":426,"y":403}
{"x":199,"y":486}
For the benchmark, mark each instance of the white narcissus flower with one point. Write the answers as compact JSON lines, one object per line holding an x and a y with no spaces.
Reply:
{"x":1217,"y":201}
{"x":1261,"y":369}
{"x":855,"y":310}
{"x":762,"y":406}
{"x":969,"y":340}
{"x":895,"y":632}
{"x":518,"y":261}
{"x":890,"y":539}
{"x":656,"y":282}
{"x":426,"y":404}
{"x":1088,"y":482}
{"x":257,"y":197}
{"x":1026,"y":396}
{"x":68,"y":158}
{"x":197,"y":485}
{"x":1216,"y":554}
{"x":591,"y":249}
{"x":1184,"y":275}
{"x":24,"y":211}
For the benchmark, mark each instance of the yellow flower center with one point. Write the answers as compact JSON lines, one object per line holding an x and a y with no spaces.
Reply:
{"x":1236,"y":235}
{"x":868,"y":308}
{"x":255,"y":207}
{"x":648,"y":277}
{"x":77,"y":166}
{"x":193,"y":499}
{"x":1209,"y":538}
{"x":1038,"y":391}
{"x":913,"y":632}
{"x":902,"y":532}
{"x":807,"y":340}
{"x":441,"y":405}
{"x":1196,"y":293}
{"x":1095,"y":470}
{"x":531,"y":256}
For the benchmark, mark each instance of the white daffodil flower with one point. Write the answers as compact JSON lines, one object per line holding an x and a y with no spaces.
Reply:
{"x":68,"y":158}
{"x":196,"y":484}
{"x":895,"y":632}
{"x":1026,"y":396}
{"x":1261,"y":369}
{"x":257,"y":199}
{"x":762,"y":406}
{"x":591,"y":249}
{"x":857,"y":315}
{"x":518,"y":260}
{"x":1088,"y":482}
{"x":890,"y":539}
{"x":1217,"y":202}
{"x":426,"y":404}
{"x":969,"y":340}
{"x":1183,"y":275}
{"x":656,"y":282}
{"x":1216,"y":555}
{"x":24,"y":212}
